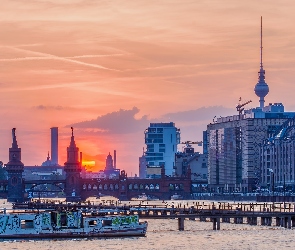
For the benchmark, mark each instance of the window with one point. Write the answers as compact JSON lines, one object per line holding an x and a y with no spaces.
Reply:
{"x":106,"y":223}
{"x":27,"y":224}
{"x":92,"y":223}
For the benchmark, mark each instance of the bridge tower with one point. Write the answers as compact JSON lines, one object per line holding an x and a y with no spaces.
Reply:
{"x":15,"y":168}
{"x":72,"y":169}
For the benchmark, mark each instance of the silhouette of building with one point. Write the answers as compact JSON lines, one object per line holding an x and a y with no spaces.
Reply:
{"x":110,"y":169}
{"x":15,"y":169}
{"x":54,"y":145}
{"x":72,"y":168}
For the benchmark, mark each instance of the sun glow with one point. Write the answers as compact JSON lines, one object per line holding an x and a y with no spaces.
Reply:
{"x":88,"y":164}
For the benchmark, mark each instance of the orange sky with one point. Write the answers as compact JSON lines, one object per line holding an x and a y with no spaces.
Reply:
{"x":122,"y":64}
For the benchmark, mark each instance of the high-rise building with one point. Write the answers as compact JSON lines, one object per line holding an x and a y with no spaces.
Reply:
{"x":161,"y":141}
{"x":278,"y":159}
{"x":234,"y":142}
{"x":54,"y":145}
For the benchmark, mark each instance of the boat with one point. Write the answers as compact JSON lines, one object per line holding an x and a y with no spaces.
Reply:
{"x":68,"y":224}
{"x":176,"y":197}
{"x":141,"y":197}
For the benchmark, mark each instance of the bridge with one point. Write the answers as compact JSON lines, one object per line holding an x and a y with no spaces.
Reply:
{"x":127,"y":188}
{"x":122,"y":188}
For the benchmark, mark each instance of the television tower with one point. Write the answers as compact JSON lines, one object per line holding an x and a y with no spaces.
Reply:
{"x":261,"y":88}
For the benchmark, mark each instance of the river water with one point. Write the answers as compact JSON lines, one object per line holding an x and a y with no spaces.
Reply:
{"x":164,"y":234}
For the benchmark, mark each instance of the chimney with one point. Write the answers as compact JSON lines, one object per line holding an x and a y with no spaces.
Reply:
{"x":54,"y":145}
{"x":115,"y":159}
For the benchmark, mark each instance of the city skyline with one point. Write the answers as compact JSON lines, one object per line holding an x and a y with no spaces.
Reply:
{"x":110,"y":68}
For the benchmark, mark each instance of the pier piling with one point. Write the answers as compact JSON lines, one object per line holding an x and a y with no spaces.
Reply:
{"x":181,"y":224}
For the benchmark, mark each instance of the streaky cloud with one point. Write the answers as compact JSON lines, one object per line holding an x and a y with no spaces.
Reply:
{"x":46,"y":56}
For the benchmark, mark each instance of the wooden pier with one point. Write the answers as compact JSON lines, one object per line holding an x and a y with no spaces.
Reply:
{"x":264,"y":214}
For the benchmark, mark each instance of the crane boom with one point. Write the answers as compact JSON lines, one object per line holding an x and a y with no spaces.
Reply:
{"x":188,"y":143}
{"x":240,"y":108}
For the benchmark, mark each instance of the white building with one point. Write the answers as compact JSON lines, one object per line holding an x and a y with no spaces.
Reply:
{"x":161,"y":141}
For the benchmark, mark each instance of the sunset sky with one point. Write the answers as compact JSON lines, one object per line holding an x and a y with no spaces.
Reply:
{"x":109,"y":68}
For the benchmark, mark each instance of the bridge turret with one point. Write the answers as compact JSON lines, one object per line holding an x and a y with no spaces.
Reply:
{"x":15,"y":169}
{"x":72,"y":169}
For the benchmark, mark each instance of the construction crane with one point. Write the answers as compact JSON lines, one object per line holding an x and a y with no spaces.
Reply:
{"x":240,"y":106}
{"x":189,"y":143}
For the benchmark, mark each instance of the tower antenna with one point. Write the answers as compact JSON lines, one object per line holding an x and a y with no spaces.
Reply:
{"x":261,"y":65}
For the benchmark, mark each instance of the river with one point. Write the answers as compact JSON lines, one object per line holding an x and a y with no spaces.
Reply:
{"x":164,"y":234}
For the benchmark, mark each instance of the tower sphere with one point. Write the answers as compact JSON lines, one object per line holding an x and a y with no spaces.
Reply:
{"x":261,"y":88}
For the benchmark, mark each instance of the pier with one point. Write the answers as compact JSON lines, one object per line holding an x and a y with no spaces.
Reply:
{"x":264,"y":214}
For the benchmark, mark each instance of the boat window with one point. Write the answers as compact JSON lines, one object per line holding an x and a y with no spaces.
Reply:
{"x":63,"y":220}
{"x":106,"y":223}
{"x":92,"y":223}
{"x":27,"y":224}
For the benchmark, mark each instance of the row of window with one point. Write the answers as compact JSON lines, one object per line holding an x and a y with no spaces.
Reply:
{"x":135,"y":186}
{"x":100,"y":187}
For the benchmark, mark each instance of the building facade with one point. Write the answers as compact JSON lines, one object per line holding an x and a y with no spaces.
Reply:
{"x":196,"y":162}
{"x":278,"y":159}
{"x":234,"y":145}
{"x":161,"y":141}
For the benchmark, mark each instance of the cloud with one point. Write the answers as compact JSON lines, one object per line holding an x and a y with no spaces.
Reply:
{"x":42,"y":107}
{"x":117,"y":122}
{"x":124,"y":122}
{"x":46,"y":56}
{"x":200,"y":114}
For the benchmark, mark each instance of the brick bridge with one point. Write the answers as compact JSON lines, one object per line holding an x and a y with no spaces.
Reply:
{"x":122,"y":188}
{"x":127,"y":188}
{"x":77,"y":188}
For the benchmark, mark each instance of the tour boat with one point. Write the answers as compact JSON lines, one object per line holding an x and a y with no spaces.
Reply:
{"x":141,"y":197}
{"x":68,"y":224}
